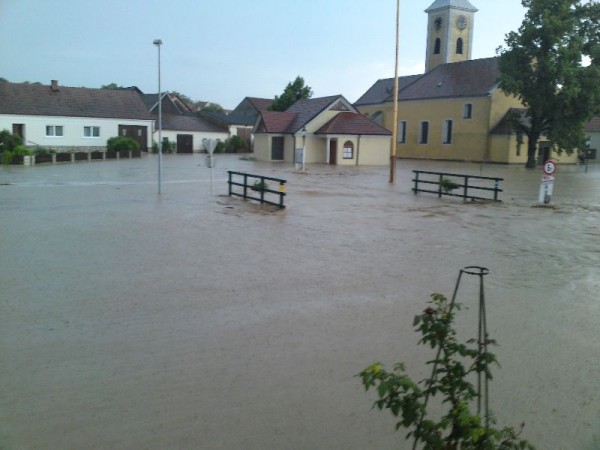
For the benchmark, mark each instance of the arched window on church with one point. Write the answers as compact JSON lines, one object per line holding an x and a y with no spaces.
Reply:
{"x":459,"y":46}
{"x":438,"y":46}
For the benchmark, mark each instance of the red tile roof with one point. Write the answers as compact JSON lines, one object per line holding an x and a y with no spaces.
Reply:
{"x":352,"y":123}
{"x":276,"y":122}
{"x":261,"y":104}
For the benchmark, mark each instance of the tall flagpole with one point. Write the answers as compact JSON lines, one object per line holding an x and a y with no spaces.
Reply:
{"x":395,"y":124}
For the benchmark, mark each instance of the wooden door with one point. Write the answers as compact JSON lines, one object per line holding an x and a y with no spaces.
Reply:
{"x":277,"y":145}
{"x":137,"y":133}
{"x":18,"y":129}
{"x":333,"y":151}
{"x":185,"y":143}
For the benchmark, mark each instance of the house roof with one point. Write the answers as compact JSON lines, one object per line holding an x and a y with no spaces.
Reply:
{"x":353,"y":123}
{"x":383,"y":90}
{"x":474,"y":78}
{"x":261,"y":104}
{"x":307,"y":110}
{"x":458,"y":4}
{"x":190,"y":122}
{"x":592,"y":125}
{"x":300,"y":114}
{"x":42,"y":100}
{"x":277,"y":122}
{"x":505,"y":126}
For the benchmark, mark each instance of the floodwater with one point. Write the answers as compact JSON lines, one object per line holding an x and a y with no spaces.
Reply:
{"x":193,"y":321}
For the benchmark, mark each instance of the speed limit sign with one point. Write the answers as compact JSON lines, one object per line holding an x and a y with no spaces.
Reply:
{"x":549,"y":167}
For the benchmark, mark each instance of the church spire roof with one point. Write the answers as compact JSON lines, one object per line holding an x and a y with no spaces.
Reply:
{"x":458,"y":4}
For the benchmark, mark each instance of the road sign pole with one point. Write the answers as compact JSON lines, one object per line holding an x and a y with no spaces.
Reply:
{"x":547,"y":185}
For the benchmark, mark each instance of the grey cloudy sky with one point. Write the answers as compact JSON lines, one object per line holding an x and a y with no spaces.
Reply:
{"x":223,"y":51}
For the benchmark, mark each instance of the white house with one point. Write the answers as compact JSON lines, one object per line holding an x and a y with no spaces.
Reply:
{"x":69,"y":119}
{"x":181,"y":124}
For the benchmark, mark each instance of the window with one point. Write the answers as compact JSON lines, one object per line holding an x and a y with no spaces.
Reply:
{"x":467,"y":111}
{"x":348,"y":150}
{"x":447,"y":132}
{"x":438,"y":46}
{"x":91,"y":131}
{"x":402,"y":132}
{"x":424,"y":133}
{"x":459,"y":46}
{"x":54,"y":130}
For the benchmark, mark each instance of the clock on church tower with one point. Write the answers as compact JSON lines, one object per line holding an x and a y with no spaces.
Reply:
{"x":449,"y":32}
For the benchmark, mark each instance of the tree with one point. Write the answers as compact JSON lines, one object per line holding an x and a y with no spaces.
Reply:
{"x":213,"y":107}
{"x":543,"y":65}
{"x":293,"y":92}
{"x":112,"y":86}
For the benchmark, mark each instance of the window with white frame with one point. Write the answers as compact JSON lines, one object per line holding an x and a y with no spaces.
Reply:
{"x":424,"y":133}
{"x":402,"y":132}
{"x":348,"y":150}
{"x":54,"y":131}
{"x":467,"y":111}
{"x":91,"y":131}
{"x":447,"y":132}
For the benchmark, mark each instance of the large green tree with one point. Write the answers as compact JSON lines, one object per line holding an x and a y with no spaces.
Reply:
{"x":294,"y":91}
{"x":552,"y":64}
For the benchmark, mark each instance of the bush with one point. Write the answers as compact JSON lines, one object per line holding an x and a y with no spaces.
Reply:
{"x":8,"y":157}
{"x":236,"y":144}
{"x":8,"y":141}
{"x":121,"y":144}
{"x":220,"y":148}
{"x":167,"y":146}
{"x":42,"y":151}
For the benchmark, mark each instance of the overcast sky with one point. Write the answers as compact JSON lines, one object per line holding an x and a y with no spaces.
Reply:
{"x":225,"y":50}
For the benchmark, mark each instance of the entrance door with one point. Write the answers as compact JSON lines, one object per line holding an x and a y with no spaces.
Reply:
{"x":277,"y":148}
{"x":185,"y":143}
{"x":137,"y":133}
{"x":333,"y":151}
{"x":18,"y":129}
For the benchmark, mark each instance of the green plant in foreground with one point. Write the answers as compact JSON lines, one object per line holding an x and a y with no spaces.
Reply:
{"x":260,"y":186}
{"x":448,"y":186}
{"x":459,"y":427}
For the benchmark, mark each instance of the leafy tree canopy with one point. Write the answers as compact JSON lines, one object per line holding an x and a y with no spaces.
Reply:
{"x":112,"y":86}
{"x":294,"y":91}
{"x":552,"y":64}
{"x":213,"y":107}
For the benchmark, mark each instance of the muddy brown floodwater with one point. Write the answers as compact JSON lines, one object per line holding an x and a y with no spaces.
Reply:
{"x":191,"y":321}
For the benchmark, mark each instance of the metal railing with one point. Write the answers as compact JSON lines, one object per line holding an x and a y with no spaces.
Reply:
{"x":259,"y":190}
{"x":456,"y":185}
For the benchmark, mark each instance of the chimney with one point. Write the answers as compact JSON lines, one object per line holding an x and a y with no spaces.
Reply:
{"x":54,"y":86}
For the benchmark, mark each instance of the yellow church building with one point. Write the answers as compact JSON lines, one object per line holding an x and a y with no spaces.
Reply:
{"x":455,"y":110}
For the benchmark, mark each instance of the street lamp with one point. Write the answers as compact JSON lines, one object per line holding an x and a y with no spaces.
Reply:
{"x":158,"y":43}
{"x":303,"y":148}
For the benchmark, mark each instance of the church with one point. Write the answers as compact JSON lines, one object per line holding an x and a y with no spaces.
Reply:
{"x":455,"y":111}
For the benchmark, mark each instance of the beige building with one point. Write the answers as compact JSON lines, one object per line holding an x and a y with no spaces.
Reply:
{"x":455,"y":111}
{"x":326,"y":130}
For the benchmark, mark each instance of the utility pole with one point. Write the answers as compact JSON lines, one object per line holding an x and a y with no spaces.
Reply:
{"x":395,"y":124}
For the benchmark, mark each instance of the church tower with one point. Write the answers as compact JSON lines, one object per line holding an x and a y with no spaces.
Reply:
{"x":449,"y":32}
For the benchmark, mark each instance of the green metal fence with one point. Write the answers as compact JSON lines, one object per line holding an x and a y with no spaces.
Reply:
{"x":468,"y":187}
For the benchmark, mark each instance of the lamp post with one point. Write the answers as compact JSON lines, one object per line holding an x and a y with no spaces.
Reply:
{"x":303,"y":148}
{"x":396,"y":88}
{"x":158,"y":43}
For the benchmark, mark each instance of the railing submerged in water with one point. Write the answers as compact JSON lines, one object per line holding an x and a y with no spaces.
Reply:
{"x":259,"y":186}
{"x":446,"y":185}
